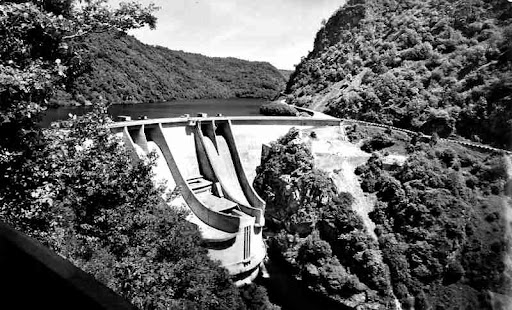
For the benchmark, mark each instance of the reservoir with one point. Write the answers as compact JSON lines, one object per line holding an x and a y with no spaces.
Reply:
{"x":228,"y":107}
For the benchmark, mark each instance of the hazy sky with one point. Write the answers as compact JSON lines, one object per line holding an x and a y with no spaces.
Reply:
{"x":277,"y":31}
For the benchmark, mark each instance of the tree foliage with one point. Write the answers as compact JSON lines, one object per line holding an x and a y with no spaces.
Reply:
{"x":439,"y":224}
{"x":124,"y":70}
{"x":74,"y":187}
{"x":315,"y":230}
{"x":100,"y":210}
{"x":432,"y":226}
{"x":37,"y":56}
{"x":434,"y":66}
{"x":278,"y":109}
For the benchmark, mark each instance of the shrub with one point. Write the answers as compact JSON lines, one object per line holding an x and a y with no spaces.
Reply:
{"x":377,"y":143}
{"x":256,"y":298}
{"x":278,"y":109}
{"x":314,"y":250}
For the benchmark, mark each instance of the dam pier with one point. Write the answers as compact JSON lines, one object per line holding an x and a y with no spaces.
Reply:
{"x":212,"y":162}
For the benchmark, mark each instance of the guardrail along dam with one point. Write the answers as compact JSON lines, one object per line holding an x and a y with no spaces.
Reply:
{"x":212,"y":162}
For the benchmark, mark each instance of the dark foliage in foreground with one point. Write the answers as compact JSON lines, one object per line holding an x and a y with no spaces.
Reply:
{"x":96,"y":208}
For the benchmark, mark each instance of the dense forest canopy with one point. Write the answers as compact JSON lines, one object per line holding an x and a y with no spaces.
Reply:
{"x":315,"y":231}
{"x":439,"y":239}
{"x":440,"y":225}
{"x":441,"y":66}
{"x":124,"y":70}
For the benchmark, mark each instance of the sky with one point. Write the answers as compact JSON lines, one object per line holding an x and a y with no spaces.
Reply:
{"x":276,"y":31}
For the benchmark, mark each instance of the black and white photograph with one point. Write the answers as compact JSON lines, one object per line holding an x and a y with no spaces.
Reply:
{"x":256,"y":155}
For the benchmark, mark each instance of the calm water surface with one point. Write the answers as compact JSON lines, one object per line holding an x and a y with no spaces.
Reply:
{"x":229,"y":107}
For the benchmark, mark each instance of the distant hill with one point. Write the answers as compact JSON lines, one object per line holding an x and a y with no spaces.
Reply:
{"x":440,"y":66}
{"x":286,"y":73}
{"x":124,"y":70}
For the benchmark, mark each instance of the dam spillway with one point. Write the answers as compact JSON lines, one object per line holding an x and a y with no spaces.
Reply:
{"x":212,"y":162}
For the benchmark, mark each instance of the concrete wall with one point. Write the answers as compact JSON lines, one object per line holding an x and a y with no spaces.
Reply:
{"x":225,"y":129}
{"x":180,"y":140}
{"x":250,"y":133}
{"x":250,"y":139}
{"x":192,"y":147}
{"x":184,"y":165}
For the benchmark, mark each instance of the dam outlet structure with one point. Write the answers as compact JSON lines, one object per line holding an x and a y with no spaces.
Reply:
{"x":212,"y":162}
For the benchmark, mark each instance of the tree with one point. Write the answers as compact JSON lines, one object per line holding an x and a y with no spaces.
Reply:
{"x":334,"y":254}
{"x":433,"y":66}
{"x":100,"y":210}
{"x":74,"y":187}
{"x":278,"y":109}
{"x":39,"y":54}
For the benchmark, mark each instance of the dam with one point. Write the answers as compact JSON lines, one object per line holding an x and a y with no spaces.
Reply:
{"x":211,"y":162}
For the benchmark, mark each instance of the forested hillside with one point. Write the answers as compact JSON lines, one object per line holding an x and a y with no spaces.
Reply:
{"x":440,"y":66}
{"x":124,"y":70}
{"x":286,"y":73}
{"x":439,"y":237}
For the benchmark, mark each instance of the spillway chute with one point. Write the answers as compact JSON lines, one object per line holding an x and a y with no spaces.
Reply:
{"x":188,"y":159}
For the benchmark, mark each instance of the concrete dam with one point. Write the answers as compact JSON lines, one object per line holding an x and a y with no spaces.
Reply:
{"x":212,"y":162}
